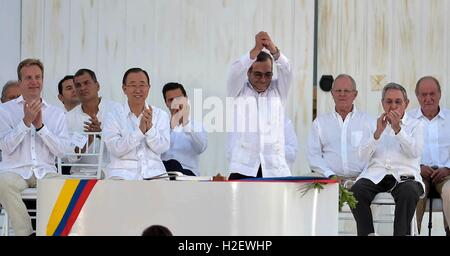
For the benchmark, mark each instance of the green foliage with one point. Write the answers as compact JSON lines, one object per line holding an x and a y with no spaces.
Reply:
{"x":346,"y":196}
{"x":314,"y":185}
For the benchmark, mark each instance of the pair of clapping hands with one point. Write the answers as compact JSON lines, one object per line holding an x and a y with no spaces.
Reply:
{"x":32,"y":113}
{"x":391,"y":117}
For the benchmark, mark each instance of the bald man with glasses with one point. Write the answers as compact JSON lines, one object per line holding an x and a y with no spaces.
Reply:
{"x":335,"y":136}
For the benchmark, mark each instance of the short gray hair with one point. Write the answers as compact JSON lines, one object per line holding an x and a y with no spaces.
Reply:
{"x":6,"y":87}
{"x":395,"y":87}
{"x":347,"y":76}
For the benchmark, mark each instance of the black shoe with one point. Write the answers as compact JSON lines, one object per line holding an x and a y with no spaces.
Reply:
{"x":32,"y":234}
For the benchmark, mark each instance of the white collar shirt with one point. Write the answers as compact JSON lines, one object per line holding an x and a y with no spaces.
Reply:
{"x":436,"y":150}
{"x":394,"y":154}
{"x":333,"y":143}
{"x":134,"y":155}
{"x":248,"y":149}
{"x":76,"y":119}
{"x":186,"y":144}
{"x":25,"y":150}
{"x":291,"y":143}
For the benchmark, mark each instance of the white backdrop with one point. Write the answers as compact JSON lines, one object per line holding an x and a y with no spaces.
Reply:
{"x":189,"y":41}
{"x":383,"y":41}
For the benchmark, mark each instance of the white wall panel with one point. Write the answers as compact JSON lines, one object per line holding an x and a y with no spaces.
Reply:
{"x":328,"y":48}
{"x":112,"y":48}
{"x":383,"y":41}
{"x":33,"y":27}
{"x":83,"y":35}
{"x":56,"y":45}
{"x":379,"y":51}
{"x":10,"y":26}
{"x":300,"y":99}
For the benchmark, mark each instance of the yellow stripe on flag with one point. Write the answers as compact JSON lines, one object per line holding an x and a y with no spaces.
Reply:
{"x":61,"y":205}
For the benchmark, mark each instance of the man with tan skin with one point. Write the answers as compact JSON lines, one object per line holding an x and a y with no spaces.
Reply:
{"x":67,"y":94}
{"x":188,"y":139}
{"x":88,"y":116}
{"x":335,"y":137}
{"x":393,"y":153}
{"x":435,"y":162}
{"x":10,"y":91}
{"x":259,"y":152}
{"x":32,"y":134}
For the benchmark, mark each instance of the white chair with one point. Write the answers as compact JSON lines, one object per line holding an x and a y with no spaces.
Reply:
{"x":386,"y":199}
{"x":27,"y":194}
{"x":381,"y":199}
{"x":88,"y":163}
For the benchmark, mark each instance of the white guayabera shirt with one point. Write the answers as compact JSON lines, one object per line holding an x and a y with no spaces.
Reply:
{"x":333,"y":143}
{"x":25,"y":150}
{"x":134,"y":155}
{"x":265,"y":145}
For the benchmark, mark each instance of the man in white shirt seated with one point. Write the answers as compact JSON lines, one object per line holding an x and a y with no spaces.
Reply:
{"x":68,"y":97}
{"x":136,"y":134}
{"x":10,"y":91}
{"x":335,"y":137}
{"x":393,"y":151}
{"x":32,"y":134}
{"x":67,"y":94}
{"x":187,"y":137}
{"x":435,"y":163}
{"x":258,"y":150}
{"x":88,"y":117}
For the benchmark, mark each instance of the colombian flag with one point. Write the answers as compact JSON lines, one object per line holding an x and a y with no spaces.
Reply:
{"x":71,"y":199}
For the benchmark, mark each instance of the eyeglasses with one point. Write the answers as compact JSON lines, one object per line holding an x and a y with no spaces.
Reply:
{"x":259,"y":75}
{"x":345,"y":91}
{"x":137,"y":86}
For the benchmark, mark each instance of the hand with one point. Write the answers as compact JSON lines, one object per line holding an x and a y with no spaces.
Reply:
{"x":146,"y":120}
{"x":425,"y":172}
{"x":31,"y":111}
{"x":439,"y":174}
{"x":262,"y":40}
{"x":93,"y":125}
{"x":381,"y":126}
{"x":180,"y":113}
{"x":37,"y":123}
{"x":393,"y":117}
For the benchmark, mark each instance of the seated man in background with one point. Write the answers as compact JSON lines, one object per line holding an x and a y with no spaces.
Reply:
{"x":68,"y":97}
{"x":32,"y":134}
{"x":435,"y":163}
{"x":88,"y":117}
{"x":393,"y":152}
{"x":67,"y":94}
{"x":335,"y":137}
{"x":10,"y":91}
{"x":136,"y":134}
{"x":187,"y":137}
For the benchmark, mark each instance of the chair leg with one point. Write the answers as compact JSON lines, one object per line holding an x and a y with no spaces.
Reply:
{"x":414,"y":228}
{"x":5,"y":225}
{"x":430,"y":215}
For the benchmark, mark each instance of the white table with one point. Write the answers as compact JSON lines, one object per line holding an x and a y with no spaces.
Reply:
{"x":190,"y":208}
